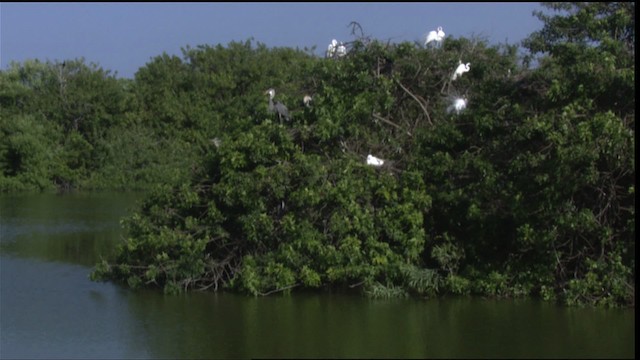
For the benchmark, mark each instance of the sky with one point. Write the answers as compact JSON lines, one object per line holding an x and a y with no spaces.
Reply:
{"x":123,"y":37}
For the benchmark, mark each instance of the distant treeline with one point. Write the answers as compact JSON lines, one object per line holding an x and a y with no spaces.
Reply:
{"x":528,"y":191}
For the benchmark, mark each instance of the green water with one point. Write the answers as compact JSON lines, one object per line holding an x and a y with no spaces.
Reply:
{"x":50,"y":309}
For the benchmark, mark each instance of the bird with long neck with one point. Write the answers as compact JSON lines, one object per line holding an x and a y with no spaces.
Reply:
{"x":435,"y":35}
{"x":461,"y":69}
{"x":277,"y":107}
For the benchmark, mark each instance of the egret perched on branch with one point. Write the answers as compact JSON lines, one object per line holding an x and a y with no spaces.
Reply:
{"x":461,"y":69}
{"x":336,"y":48}
{"x":372,"y":160}
{"x":331,"y":49}
{"x":459,"y":104}
{"x":277,"y":107}
{"x":435,"y":35}
{"x":341,"y":50}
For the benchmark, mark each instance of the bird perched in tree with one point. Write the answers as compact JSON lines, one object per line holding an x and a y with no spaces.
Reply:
{"x":341,"y":50}
{"x":307,"y":100}
{"x":374,"y":161}
{"x":461,"y":69}
{"x":277,"y":107}
{"x":459,"y":104}
{"x":435,"y":35}
{"x":331,"y":49}
{"x":336,"y":49}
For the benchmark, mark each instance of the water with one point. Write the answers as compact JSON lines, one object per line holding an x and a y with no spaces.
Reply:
{"x":50,"y":309}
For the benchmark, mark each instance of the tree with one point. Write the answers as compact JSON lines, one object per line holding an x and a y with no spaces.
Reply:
{"x":580,"y":152}
{"x":73,"y":105}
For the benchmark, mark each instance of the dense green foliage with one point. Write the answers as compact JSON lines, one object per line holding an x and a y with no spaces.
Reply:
{"x":527,"y":192}
{"x":72,"y":125}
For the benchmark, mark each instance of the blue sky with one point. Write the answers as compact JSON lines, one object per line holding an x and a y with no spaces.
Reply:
{"x":122,"y":37}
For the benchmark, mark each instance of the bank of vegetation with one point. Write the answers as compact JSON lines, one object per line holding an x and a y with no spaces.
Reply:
{"x":529,"y":191}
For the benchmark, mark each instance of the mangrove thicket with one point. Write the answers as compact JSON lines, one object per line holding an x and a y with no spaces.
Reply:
{"x":529,"y":190}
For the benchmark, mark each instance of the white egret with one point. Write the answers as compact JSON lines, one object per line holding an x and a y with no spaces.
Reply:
{"x":331,"y":49}
{"x":307,"y":100}
{"x":461,"y":69}
{"x":435,"y":35}
{"x":372,"y":160}
{"x":459,"y":104}
{"x":341,"y":50}
{"x":277,"y":107}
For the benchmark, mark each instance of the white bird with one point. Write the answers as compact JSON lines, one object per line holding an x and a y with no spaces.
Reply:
{"x":459,"y":104}
{"x":341,"y":50}
{"x":435,"y":35}
{"x":331,"y":49}
{"x":307,"y":100}
{"x":372,"y":160}
{"x":461,"y":69}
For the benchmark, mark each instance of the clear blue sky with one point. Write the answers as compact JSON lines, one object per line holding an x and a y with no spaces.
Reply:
{"x":122,"y":37}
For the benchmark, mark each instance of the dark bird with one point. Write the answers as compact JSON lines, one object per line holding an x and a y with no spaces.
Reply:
{"x":277,"y":106}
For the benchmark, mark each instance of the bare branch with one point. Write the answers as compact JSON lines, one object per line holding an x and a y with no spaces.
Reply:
{"x":278,"y":290}
{"x":390,"y":123}
{"x":417,"y":100}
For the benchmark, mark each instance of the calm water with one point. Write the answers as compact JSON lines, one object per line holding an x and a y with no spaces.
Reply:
{"x":50,"y":309}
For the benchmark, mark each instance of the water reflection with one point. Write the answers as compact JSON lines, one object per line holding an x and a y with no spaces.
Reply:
{"x":72,"y":228}
{"x":53,"y":311}
{"x":50,"y":309}
{"x":338,"y":325}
